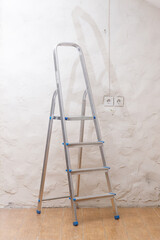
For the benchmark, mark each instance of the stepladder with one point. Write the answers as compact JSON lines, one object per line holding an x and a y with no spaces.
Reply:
{"x":74,"y":196}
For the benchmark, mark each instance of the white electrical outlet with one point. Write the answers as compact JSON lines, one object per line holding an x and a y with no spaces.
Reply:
{"x":108,"y":101}
{"x":119,"y":101}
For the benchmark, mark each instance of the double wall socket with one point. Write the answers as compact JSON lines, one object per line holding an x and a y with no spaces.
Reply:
{"x":113,"y":101}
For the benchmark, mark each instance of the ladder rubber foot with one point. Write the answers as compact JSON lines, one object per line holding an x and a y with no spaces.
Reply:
{"x":75,"y":223}
{"x":116,"y":217}
{"x":38,"y":212}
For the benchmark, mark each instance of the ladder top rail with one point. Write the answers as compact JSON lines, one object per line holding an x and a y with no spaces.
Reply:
{"x":68,"y":44}
{"x":86,"y":77}
{"x":64,"y":44}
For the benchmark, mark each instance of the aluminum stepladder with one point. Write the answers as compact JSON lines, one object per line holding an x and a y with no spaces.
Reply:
{"x":75,"y":198}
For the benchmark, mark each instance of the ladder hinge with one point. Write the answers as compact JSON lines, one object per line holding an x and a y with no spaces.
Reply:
{"x":66,"y":144}
{"x":70,"y":170}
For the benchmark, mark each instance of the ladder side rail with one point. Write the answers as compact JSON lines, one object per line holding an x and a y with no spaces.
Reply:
{"x":64,"y":133}
{"x":90,"y":95}
{"x":113,"y":201}
{"x":96,"y":123}
{"x":83,"y":110}
{"x":46,"y":152}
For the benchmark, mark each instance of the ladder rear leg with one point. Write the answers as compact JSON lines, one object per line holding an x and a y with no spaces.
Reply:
{"x":46,"y":153}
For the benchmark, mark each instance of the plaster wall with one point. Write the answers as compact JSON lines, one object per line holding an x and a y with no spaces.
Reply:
{"x":29,"y":30}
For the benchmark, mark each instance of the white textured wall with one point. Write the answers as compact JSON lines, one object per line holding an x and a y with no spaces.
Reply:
{"x":155,"y":3}
{"x":29,"y":30}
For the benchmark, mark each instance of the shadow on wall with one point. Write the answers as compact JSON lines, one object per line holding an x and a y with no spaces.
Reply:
{"x":155,"y":3}
{"x":77,"y":14}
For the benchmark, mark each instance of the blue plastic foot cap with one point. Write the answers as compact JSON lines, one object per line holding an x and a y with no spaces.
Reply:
{"x":75,"y":223}
{"x":39,"y":212}
{"x":38,"y":200}
{"x":117,"y":217}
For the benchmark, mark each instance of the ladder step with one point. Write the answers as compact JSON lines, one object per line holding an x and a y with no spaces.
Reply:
{"x":86,"y":170}
{"x":75,"y":118}
{"x":84,"y":144}
{"x":107,"y":195}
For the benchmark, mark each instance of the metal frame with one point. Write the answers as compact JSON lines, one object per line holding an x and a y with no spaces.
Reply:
{"x":46,"y":152}
{"x":80,"y":144}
